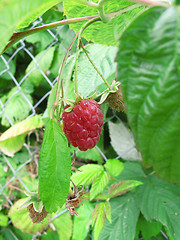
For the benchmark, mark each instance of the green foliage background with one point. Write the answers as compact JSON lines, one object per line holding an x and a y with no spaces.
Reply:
{"x":136,"y":199}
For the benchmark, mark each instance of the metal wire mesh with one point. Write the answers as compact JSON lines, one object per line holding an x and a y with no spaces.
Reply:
{"x":33,"y":111}
{"x":33,"y":151}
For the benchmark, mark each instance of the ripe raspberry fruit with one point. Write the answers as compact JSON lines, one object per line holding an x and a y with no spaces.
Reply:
{"x":83,"y":124}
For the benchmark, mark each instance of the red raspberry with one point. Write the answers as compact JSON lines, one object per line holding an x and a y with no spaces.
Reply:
{"x":83,"y":124}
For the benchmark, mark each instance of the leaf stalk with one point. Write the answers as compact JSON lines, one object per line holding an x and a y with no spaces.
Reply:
{"x":97,"y":70}
{"x":60,"y":79}
{"x":77,"y":50}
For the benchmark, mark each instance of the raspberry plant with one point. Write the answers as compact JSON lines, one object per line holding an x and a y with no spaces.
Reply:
{"x":122,"y":199}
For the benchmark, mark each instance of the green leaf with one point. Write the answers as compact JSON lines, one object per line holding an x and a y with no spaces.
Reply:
{"x":51,"y":99}
{"x":11,"y":68}
{"x":12,"y":145}
{"x":156,"y":199}
{"x":22,"y":156}
{"x":99,"y":32}
{"x":160,"y":201}
{"x":41,"y":63}
{"x":88,"y":78}
{"x":123,"y":142}
{"x":12,"y":233}
{"x":159,"y":237}
{"x":38,"y":206}
{"x":99,"y":184}
{"x":22,"y":221}
{"x":20,"y":235}
{"x":59,"y":54}
{"x":30,"y":182}
{"x":67,"y":77}
{"x":64,"y":226}
{"x":122,"y":187}
{"x":27,"y":87}
{"x":44,"y":38}
{"x":132,"y":171}
{"x":92,"y":154}
{"x":148,"y":67}
{"x":108,"y":211}
{"x":148,"y":229}
{"x":6,"y":169}
{"x":17,"y":107}
{"x":103,"y":58}
{"x":50,"y":236}
{"x":67,"y":37}
{"x":83,"y":221}
{"x":87,"y":174}
{"x":35,"y":10}
{"x":54,"y":167}
{"x":124,"y":214}
{"x":67,"y":83}
{"x":54,"y":14}
{"x":114,"y":167}
{"x":101,"y":196}
{"x":99,"y":218}
{"x":19,"y":14}
{"x":7,"y":234}
{"x":2,"y":171}
{"x":22,"y":127}
{"x":27,"y":201}
{"x":12,"y":140}
{"x":3,"y":219}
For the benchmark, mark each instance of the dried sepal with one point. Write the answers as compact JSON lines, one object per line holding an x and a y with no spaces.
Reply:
{"x":35,"y":216}
{"x":35,"y":207}
{"x":74,"y":198}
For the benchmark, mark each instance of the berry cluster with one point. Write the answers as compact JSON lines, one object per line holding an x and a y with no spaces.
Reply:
{"x":83,"y":124}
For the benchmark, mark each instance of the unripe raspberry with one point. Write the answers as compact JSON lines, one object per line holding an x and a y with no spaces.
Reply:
{"x":83,"y":124}
{"x":115,"y":100}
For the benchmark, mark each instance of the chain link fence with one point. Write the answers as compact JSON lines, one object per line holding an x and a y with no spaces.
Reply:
{"x":15,"y":183}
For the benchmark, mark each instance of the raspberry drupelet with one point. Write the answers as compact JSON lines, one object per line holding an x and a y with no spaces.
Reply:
{"x":82,"y":126}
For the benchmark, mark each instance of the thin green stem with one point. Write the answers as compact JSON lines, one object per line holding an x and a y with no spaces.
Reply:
{"x":105,"y":18}
{"x":60,"y":79}
{"x":119,"y":12}
{"x":97,"y":70}
{"x":77,"y":50}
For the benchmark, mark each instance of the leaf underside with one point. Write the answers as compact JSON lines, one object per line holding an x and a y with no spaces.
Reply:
{"x":100,"y":32}
{"x":13,"y":139}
